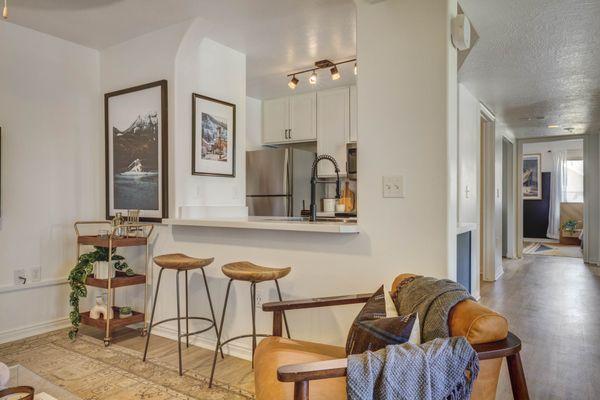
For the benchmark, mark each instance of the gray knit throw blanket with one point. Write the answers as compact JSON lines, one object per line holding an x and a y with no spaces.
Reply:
{"x":432,"y":299}
{"x":442,"y":369}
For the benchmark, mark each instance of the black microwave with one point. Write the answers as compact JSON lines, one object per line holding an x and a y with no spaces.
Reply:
{"x":351,"y":160}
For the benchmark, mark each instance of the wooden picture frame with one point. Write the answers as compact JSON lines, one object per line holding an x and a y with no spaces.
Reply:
{"x":137,"y":168}
{"x":213,"y":137}
{"x":532,"y":177}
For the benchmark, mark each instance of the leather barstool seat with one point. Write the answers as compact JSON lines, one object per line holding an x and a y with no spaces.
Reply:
{"x":246,"y":271}
{"x":181,"y":262}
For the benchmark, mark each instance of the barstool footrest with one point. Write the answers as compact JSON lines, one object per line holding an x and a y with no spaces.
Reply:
{"x":197,"y":332}
{"x":242,"y":337}
{"x":183,"y":319}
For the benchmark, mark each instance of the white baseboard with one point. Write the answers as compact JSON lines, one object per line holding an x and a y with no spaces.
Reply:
{"x":233,"y":348}
{"x":32,"y":330}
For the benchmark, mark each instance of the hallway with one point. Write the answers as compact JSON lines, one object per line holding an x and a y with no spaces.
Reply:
{"x":552,"y":304}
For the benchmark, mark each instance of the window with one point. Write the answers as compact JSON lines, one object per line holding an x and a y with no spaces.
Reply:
{"x":574,"y":179}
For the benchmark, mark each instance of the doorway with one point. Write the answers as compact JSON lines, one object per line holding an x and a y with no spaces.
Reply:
{"x":553,"y":200}
{"x":508,"y":193}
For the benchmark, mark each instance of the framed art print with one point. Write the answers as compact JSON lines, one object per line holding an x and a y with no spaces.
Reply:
{"x":136,"y":123}
{"x":532,"y":177}
{"x":213,"y":137}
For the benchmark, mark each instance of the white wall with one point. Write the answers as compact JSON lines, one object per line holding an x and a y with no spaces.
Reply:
{"x":253,"y":124}
{"x":52,"y":152}
{"x":469,"y":173}
{"x":546,"y":149}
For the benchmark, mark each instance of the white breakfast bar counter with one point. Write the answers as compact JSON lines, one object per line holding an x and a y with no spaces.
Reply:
{"x":270,"y":223}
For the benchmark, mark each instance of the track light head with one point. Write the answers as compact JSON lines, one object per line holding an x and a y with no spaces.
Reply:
{"x":335,"y":74}
{"x":293,"y":83}
{"x":5,"y":10}
{"x":313,"y":78}
{"x":355,"y":68}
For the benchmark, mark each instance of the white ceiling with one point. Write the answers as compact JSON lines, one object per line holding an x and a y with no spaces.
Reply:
{"x":537,"y":59}
{"x":278,"y":36}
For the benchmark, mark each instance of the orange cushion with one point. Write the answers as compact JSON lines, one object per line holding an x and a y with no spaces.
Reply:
{"x":274,"y":352}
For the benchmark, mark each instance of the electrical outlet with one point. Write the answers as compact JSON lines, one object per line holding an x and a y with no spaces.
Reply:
{"x":393,"y":186}
{"x":259,"y":301}
{"x":467,"y":192}
{"x":35,"y":274}
{"x":20,"y":277}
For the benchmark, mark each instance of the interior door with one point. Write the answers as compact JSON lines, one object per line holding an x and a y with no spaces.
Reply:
{"x":303,"y":117}
{"x":333,"y":127}
{"x":276,"y":120}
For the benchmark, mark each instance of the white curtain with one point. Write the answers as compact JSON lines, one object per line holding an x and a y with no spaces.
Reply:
{"x":558,"y":192}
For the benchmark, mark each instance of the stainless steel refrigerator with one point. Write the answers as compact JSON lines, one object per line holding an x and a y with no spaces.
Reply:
{"x":278,"y":181}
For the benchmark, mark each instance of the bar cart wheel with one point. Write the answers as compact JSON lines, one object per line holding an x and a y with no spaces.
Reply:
{"x":106,"y":343}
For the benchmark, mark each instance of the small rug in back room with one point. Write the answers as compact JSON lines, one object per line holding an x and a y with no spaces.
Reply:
{"x":91,"y":371}
{"x":552,"y":249}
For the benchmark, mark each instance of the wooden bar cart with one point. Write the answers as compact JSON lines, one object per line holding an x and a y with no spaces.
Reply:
{"x":126,"y":235}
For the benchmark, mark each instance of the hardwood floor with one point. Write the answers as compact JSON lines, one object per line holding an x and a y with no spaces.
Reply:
{"x":552,"y":304}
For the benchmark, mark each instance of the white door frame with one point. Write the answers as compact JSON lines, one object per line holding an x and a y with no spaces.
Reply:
{"x":589,"y":200}
{"x":511,"y":237}
{"x":488,"y":195}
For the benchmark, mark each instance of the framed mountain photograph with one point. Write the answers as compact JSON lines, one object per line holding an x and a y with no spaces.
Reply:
{"x":213,"y":137}
{"x":136,"y":124}
{"x":532,"y":177}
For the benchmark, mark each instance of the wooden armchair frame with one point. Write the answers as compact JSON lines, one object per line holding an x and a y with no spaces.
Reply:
{"x":302,"y":374}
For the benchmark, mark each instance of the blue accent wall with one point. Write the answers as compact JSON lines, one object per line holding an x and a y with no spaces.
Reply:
{"x":535,"y":212}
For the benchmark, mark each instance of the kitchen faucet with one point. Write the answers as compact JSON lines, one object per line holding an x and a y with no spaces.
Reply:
{"x":314,"y":180}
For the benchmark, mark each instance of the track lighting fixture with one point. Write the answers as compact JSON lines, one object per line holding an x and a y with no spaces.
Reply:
{"x":293,"y":83}
{"x":5,"y":10}
{"x":322,"y":64}
{"x":335,"y":74}
{"x":355,"y":69}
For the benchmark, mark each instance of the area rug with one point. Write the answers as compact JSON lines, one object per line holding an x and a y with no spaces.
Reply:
{"x":552,"y":249}
{"x":91,"y":371}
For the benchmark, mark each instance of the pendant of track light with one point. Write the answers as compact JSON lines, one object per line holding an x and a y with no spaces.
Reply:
{"x":5,"y":10}
{"x":313,"y":78}
{"x":355,"y":69}
{"x":335,"y":74}
{"x":293,"y":83}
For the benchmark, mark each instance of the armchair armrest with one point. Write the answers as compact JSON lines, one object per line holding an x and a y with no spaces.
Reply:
{"x":316,"y":302}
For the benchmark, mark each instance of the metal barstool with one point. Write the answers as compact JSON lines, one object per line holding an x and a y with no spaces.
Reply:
{"x":181,"y":262}
{"x":246,"y":271}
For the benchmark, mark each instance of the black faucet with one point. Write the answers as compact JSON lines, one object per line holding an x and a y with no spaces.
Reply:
{"x":314,"y":180}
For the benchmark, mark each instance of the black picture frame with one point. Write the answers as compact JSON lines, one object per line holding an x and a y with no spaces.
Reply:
{"x":163,"y":153}
{"x":195,"y":124}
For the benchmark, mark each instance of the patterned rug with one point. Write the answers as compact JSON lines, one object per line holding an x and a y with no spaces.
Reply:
{"x":552,"y":249}
{"x":87,"y":369}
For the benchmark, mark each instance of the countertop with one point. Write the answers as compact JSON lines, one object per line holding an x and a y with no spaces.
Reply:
{"x":271,"y":223}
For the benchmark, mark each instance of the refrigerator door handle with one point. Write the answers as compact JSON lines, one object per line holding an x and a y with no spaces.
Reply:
{"x":286,"y":179}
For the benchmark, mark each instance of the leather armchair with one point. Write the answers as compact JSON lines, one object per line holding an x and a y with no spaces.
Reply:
{"x":291,"y":369}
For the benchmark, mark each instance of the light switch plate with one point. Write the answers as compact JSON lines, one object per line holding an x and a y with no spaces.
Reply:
{"x":20,"y":277}
{"x":393,"y":186}
{"x":35,"y":274}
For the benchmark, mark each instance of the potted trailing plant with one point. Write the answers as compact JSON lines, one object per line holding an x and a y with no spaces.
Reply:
{"x":80,"y":272}
{"x":569,"y":226}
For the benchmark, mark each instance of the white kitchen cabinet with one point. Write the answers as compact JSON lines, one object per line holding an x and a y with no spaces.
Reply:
{"x":303,"y":117}
{"x":276,"y":120}
{"x":290,"y":119}
{"x":353,"y":115}
{"x":333,"y":128}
